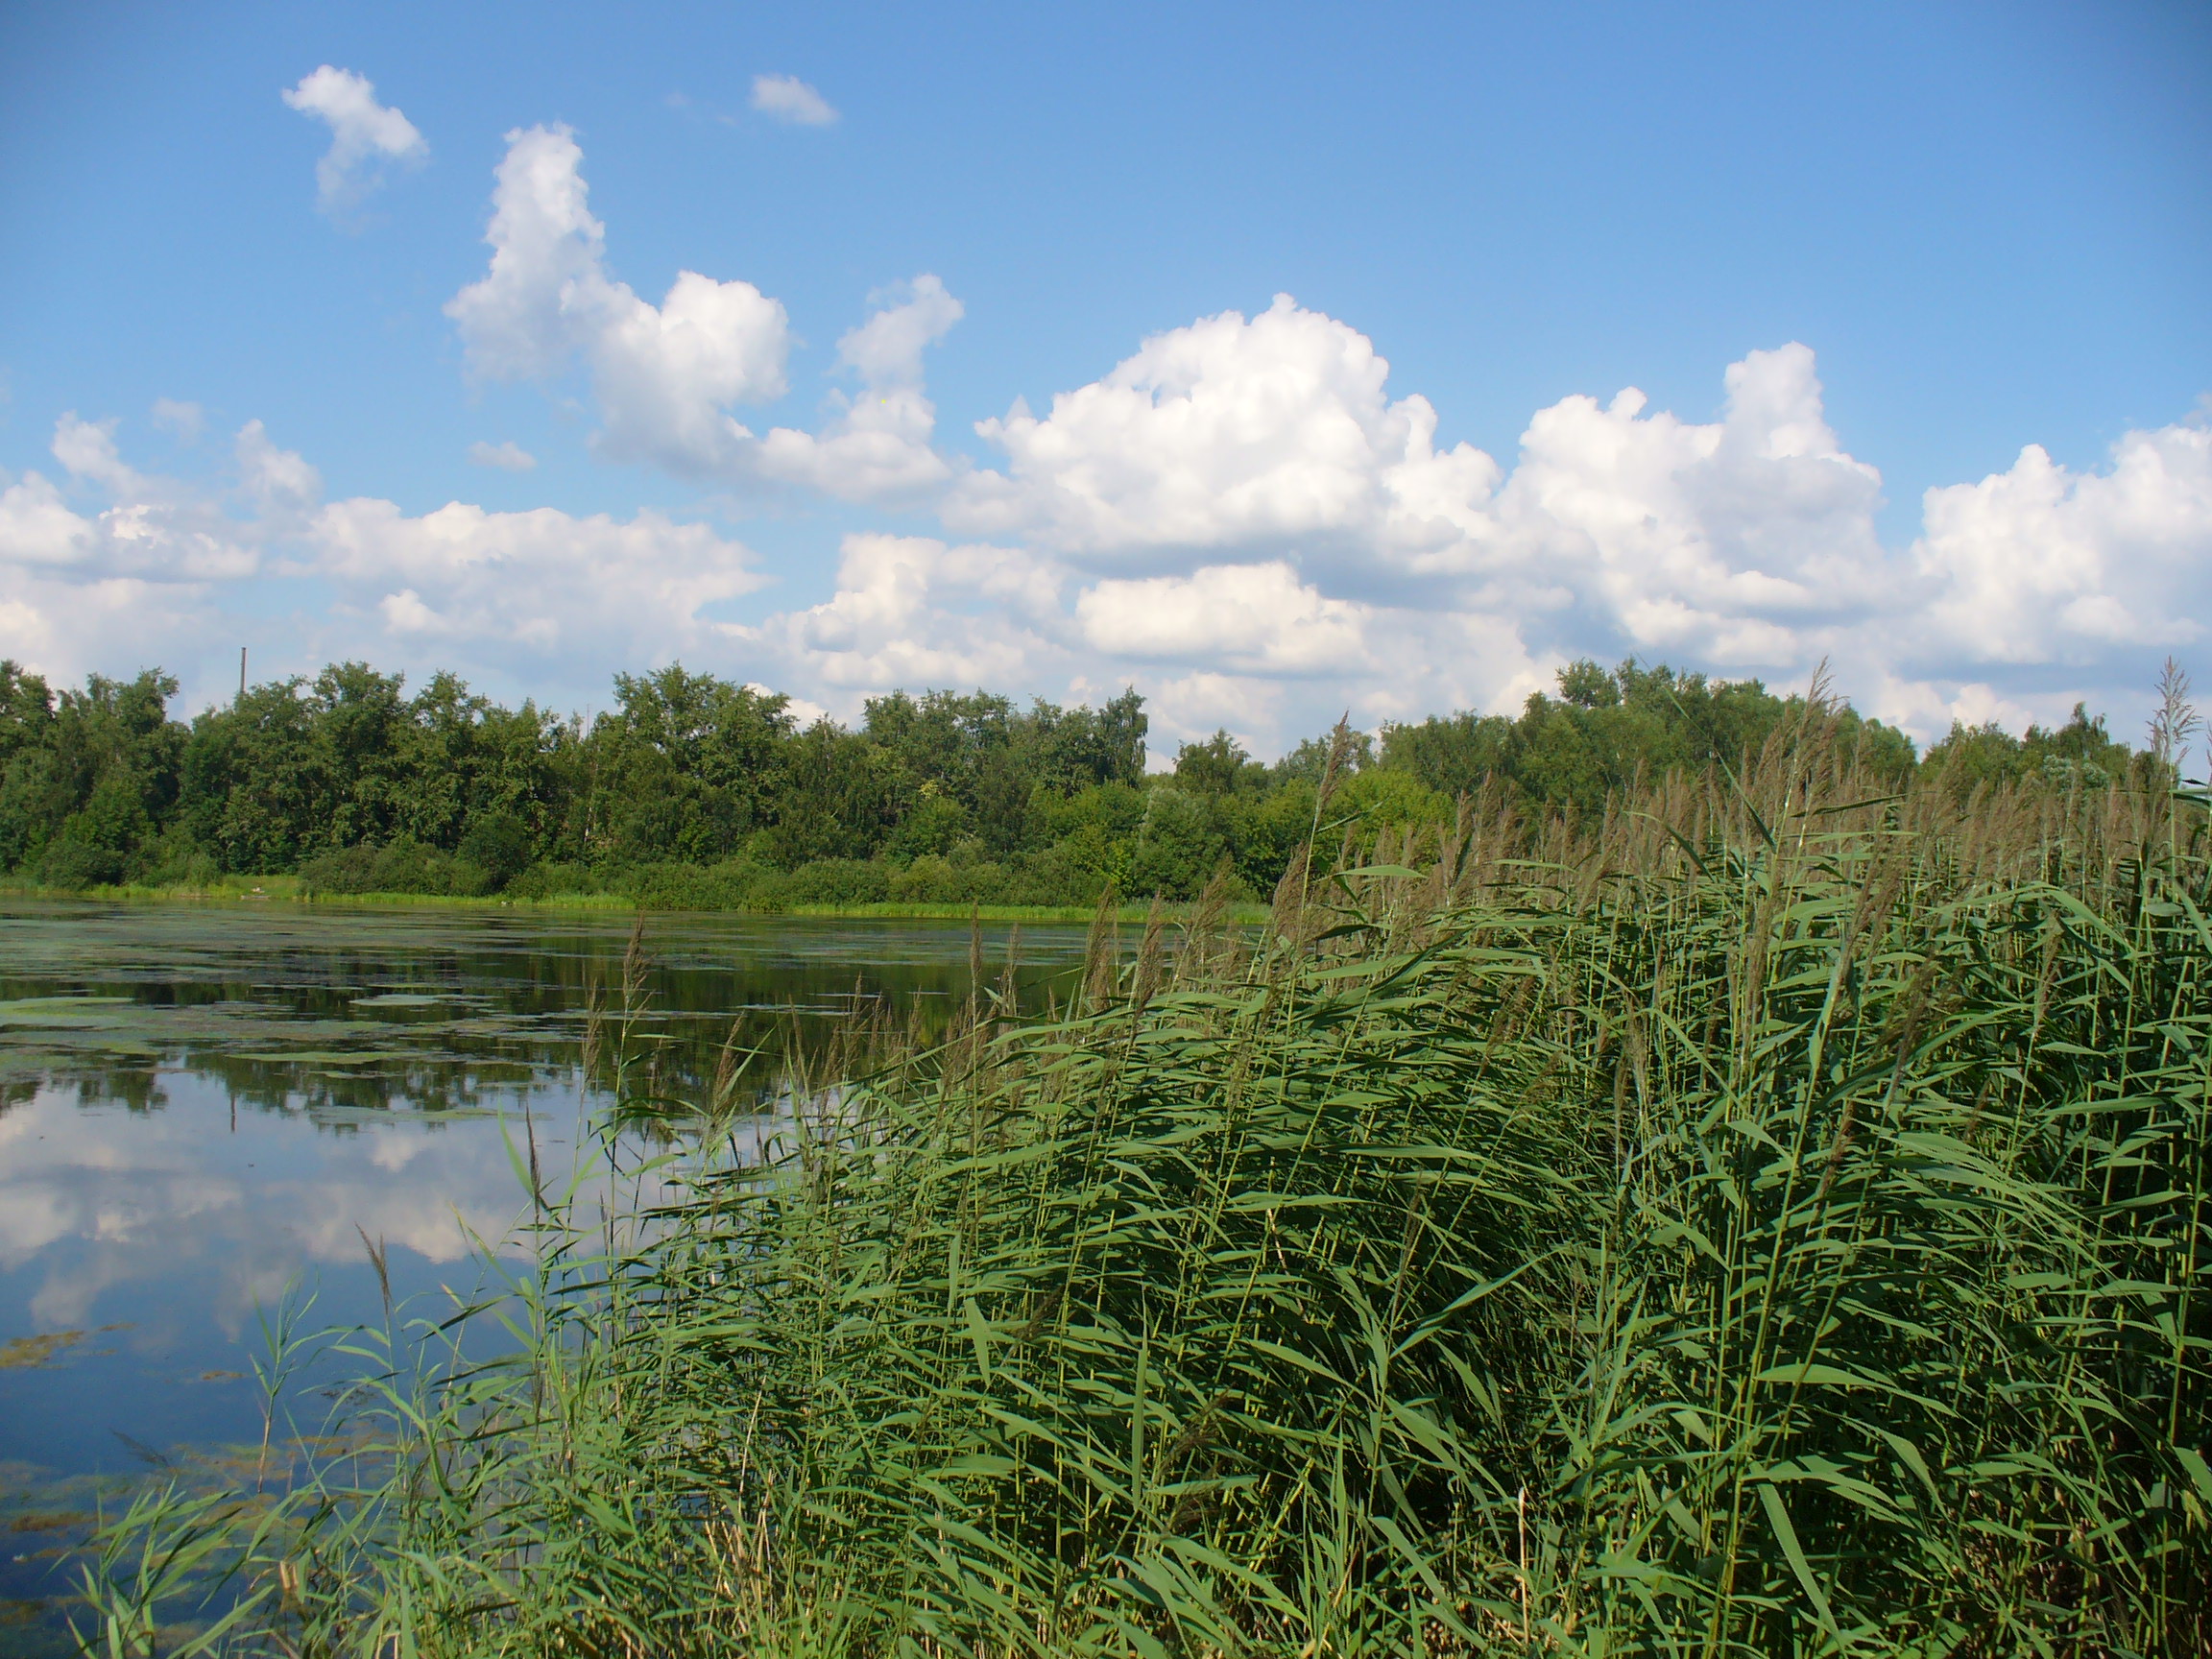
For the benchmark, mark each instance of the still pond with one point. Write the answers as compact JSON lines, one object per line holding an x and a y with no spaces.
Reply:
{"x":207,"y":1111}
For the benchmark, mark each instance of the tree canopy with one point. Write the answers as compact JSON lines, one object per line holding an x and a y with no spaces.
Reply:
{"x":693,"y":789}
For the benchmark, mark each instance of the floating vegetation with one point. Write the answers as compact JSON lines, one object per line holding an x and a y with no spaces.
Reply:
{"x":26,"y":1353}
{"x":58,"y":1010}
{"x":49,"y":1521}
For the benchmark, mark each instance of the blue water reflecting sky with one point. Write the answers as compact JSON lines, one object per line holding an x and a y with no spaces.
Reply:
{"x":206,"y":1111}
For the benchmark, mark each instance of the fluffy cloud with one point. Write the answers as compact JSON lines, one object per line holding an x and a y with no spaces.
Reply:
{"x":788,"y":98}
{"x":279,"y":483}
{"x":141,"y":563}
{"x":1293,"y":521}
{"x":156,"y":529}
{"x":1251,"y":618}
{"x":1742,"y":543}
{"x":666,"y":376}
{"x":365,"y":136}
{"x":911,"y":611}
{"x":1232,"y":434}
{"x":539,"y":594}
{"x":2041,"y":564}
{"x":551,"y":601}
{"x":886,"y":350}
{"x":877,"y":446}
{"x":530,"y":312}
{"x":1276,"y":436}
{"x":1290,"y":518}
{"x":662,"y":374}
{"x":36,"y":526}
{"x":87,"y":448}
{"x":1253,"y":646}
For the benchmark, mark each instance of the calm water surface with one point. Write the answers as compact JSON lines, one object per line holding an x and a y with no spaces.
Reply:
{"x":205,"y":1107}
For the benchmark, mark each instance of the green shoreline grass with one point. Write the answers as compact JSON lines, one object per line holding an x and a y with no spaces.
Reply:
{"x":285,"y":889}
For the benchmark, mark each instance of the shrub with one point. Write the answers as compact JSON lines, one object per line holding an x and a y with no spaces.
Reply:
{"x":74,"y":865}
{"x":550,"y":880}
{"x":349,"y":869}
{"x":735,"y":885}
{"x":498,"y":844}
{"x":837,"y":881}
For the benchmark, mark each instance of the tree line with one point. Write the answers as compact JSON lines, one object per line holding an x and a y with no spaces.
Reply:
{"x":693,"y":790}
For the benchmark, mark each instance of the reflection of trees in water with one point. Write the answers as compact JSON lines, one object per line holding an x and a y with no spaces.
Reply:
{"x":132,"y":1086}
{"x":429,"y":1085}
{"x":263,"y":1008}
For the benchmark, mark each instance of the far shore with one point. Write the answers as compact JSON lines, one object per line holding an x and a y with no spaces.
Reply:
{"x":286,"y":889}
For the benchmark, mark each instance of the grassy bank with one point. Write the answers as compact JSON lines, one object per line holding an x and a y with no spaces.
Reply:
{"x":1771,"y":1221}
{"x":249,"y":889}
{"x":215,"y":888}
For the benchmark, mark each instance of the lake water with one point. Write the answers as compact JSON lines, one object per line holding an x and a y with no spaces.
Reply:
{"x":204,"y":1108}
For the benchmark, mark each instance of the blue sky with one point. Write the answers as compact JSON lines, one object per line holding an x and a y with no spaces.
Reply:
{"x":1930,"y":236}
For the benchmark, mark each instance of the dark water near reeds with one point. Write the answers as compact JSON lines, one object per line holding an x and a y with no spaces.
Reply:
{"x":206,"y":1107}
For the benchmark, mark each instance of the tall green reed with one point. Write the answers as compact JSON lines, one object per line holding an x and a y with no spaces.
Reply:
{"x":1769,"y":1221}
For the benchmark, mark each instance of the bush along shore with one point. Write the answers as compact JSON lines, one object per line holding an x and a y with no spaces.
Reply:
{"x":692,"y":793}
{"x":1770,"y":1217}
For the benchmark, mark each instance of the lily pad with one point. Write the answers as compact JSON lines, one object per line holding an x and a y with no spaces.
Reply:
{"x":51,"y":1012}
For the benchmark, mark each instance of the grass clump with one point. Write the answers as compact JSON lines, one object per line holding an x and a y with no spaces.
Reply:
{"x":1767,"y":1220}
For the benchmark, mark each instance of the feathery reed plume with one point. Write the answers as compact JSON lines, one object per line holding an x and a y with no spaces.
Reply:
{"x":1101,"y":952}
{"x":2176,"y":720}
{"x":1151,"y":952}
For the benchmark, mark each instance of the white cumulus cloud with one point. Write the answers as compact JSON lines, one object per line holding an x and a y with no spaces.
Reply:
{"x":662,"y":374}
{"x":2040,"y":564}
{"x":876,"y":445}
{"x":1252,"y":618}
{"x":539,"y":594}
{"x":158,"y":529}
{"x":1289,"y":517}
{"x":75,"y":585}
{"x":36,"y":526}
{"x":1740,"y":544}
{"x":549,"y":600}
{"x":279,"y":482}
{"x":365,"y":136}
{"x":87,"y":450}
{"x":666,"y":376}
{"x":886,"y":350}
{"x":788,"y":98}
{"x":911,"y":611}
{"x":1232,"y":434}
{"x":1259,"y":508}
